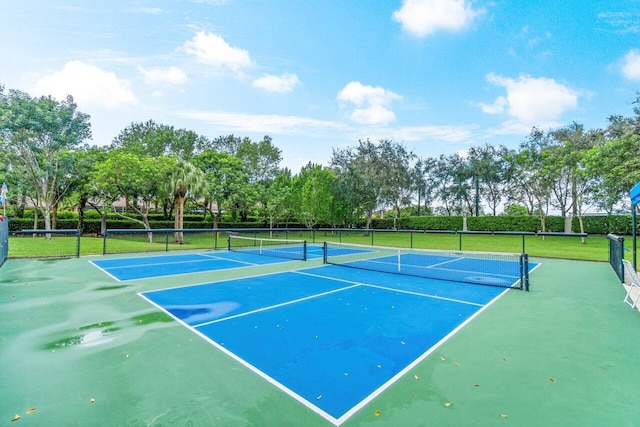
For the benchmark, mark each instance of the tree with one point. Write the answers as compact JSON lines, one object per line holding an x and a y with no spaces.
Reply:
{"x":83,"y":191}
{"x":39,"y":135}
{"x":396,"y":178}
{"x":227,"y":181}
{"x":153,"y":139}
{"x":424,"y":181}
{"x":315,"y":184}
{"x":531,"y":183}
{"x":451,"y":175}
{"x":137,"y":179}
{"x":357,"y":170}
{"x":488,"y":171}
{"x":184,"y":180}
{"x":260,"y":161}
{"x":279,"y":197}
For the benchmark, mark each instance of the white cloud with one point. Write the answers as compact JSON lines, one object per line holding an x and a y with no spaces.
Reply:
{"x":284,"y":83}
{"x":262,"y":123}
{"x":441,"y":133}
{"x":627,"y":22}
{"x":169,"y":76}
{"x":421,"y":18}
{"x":530,"y":100}
{"x":631,"y":65}
{"x":211,"y":2}
{"x":147,"y":10}
{"x":213,"y":50}
{"x":371,"y":103}
{"x":89,"y":86}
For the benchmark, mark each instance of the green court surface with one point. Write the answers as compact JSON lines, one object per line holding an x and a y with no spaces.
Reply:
{"x":80,"y":349}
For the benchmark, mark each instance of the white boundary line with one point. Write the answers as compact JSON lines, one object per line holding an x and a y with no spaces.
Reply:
{"x":248,"y":265}
{"x":305,"y":402}
{"x":412,"y":365}
{"x":283,"y":304}
{"x":394,"y":289}
{"x":248,"y":365}
{"x":104,"y":271}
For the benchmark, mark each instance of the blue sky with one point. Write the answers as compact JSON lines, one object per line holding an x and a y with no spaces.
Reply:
{"x":438,"y":76}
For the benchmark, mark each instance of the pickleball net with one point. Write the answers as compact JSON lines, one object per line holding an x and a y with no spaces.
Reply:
{"x":278,"y":248}
{"x":480,"y":268}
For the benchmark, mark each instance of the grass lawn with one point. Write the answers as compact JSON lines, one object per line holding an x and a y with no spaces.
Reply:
{"x":594,"y":248}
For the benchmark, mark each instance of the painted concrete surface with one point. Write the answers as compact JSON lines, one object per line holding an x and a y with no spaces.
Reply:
{"x":81,"y":349}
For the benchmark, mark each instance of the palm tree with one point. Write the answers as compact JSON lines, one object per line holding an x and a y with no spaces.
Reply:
{"x":185,"y":180}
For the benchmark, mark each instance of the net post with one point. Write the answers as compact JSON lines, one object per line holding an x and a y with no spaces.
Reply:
{"x":104,"y":241}
{"x":324,"y":252}
{"x":78,"y":243}
{"x":304,"y":250}
{"x":166,"y":241}
{"x":524,"y":266}
{"x":229,"y":242}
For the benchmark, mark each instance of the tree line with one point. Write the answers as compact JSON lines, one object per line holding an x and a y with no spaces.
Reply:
{"x":155,"y":167}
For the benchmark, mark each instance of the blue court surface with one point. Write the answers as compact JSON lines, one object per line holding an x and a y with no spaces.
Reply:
{"x":123,"y":269}
{"x":331,"y":337}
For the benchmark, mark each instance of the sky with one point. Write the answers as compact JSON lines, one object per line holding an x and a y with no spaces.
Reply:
{"x":437,"y":76}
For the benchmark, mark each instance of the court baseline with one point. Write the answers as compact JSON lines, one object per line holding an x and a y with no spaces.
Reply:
{"x":331,"y":337}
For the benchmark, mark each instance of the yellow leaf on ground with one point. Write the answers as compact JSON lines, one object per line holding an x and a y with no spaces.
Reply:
{"x":503,"y":415}
{"x":31,"y":410}
{"x":447,"y":404}
{"x":16,"y":417}
{"x":442,"y":358}
{"x":377,"y":413}
{"x":416,"y":377}
{"x":553,"y":380}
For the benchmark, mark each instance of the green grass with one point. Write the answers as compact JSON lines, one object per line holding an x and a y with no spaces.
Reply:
{"x":594,"y":248}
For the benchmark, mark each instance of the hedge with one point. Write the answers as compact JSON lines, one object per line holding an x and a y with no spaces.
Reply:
{"x":593,"y":224}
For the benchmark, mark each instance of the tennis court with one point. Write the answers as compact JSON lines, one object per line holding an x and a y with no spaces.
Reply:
{"x":302,"y":343}
{"x":333,"y":337}
{"x":330,"y":337}
{"x":131,"y":268}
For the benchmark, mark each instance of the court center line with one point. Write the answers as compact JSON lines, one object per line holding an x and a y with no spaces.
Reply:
{"x":392,"y":289}
{"x":419,"y":294}
{"x":276,"y":306}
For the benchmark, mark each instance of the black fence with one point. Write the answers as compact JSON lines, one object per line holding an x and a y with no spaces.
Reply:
{"x":616,"y":254}
{"x":116,"y":241}
{"x":4,"y":239}
{"x":47,"y":243}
